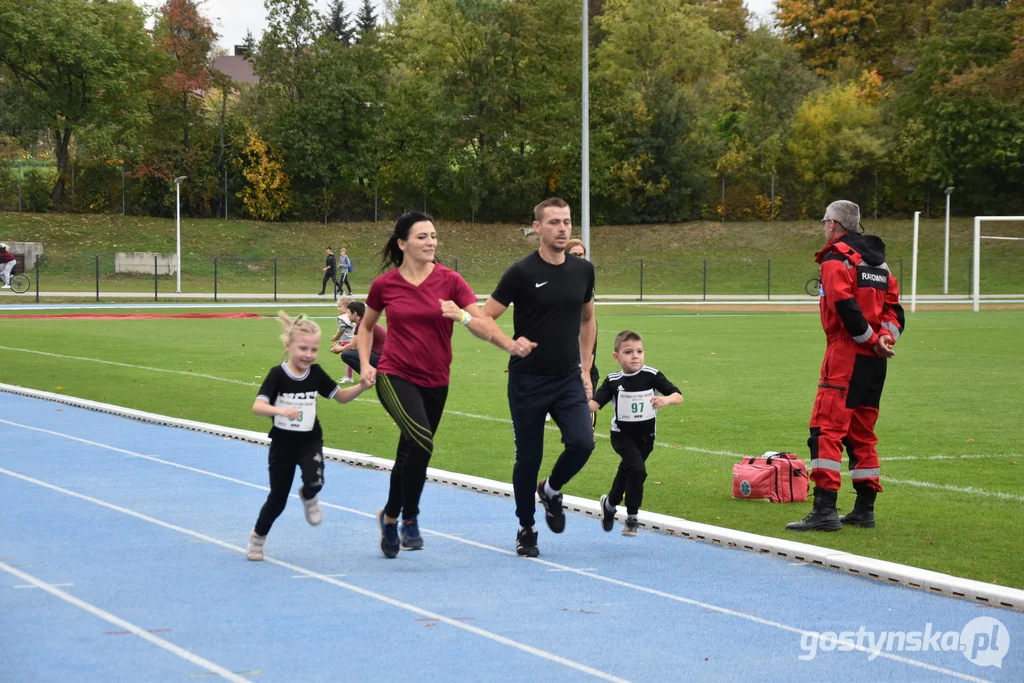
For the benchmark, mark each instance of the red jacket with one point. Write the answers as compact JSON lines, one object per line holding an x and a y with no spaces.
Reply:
{"x":861,"y":297}
{"x":6,"y":256}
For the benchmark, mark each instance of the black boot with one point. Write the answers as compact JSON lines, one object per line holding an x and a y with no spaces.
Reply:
{"x":863,"y":513}
{"x":823,"y":516}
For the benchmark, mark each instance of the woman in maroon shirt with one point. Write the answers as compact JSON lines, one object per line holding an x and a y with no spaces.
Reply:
{"x":423,"y":301}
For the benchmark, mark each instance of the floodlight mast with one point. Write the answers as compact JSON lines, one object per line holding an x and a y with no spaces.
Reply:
{"x":945,"y":261}
{"x":585,"y":133}
{"x":177,"y":211}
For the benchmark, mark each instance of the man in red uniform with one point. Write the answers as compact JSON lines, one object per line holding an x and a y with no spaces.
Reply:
{"x":862,"y":319}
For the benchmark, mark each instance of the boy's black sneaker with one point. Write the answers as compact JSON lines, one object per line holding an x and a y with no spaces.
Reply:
{"x":526,"y":543}
{"x":607,"y":514}
{"x":554,"y":515}
{"x":632,"y":524}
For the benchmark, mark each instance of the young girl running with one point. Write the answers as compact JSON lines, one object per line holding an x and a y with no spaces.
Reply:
{"x":423,"y":300}
{"x":288,"y":395}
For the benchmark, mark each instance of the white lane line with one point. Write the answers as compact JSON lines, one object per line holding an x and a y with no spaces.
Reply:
{"x":886,"y":478}
{"x":125,"y":625}
{"x":55,"y":585}
{"x":483,"y":546}
{"x":970,"y":490}
{"x":978,"y":456}
{"x":303,"y":576}
{"x":523,"y":647}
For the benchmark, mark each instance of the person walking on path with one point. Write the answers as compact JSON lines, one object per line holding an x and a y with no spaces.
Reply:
{"x":329,"y":272}
{"x":344,"y":268}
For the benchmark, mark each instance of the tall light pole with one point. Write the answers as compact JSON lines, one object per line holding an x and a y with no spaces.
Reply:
{"x":913,"y":266}
{"x":177,"y":211}
{"x":585,"y":176}
{"x":945,"y":266}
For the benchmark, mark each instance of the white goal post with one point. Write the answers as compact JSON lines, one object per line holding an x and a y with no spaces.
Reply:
{"x":978,"y":237}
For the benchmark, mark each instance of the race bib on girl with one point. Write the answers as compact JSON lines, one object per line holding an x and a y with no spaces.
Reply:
{"x":306,"y":403}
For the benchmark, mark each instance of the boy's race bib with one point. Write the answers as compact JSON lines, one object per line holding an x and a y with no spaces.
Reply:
{"x":635,"y":406}
{"x":307,"y":413}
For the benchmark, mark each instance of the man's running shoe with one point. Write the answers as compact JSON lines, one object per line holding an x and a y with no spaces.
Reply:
{"x":526,"y":543}
{"x":554,"y":515}
{"x":632,"y":524}
{"x":607,"y":514}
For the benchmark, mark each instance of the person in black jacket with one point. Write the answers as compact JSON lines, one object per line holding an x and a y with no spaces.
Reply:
{"x":329,"y":268}
{"x":635,"y":390}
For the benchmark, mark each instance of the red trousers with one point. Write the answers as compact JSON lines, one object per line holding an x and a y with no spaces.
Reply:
{"x":844,"y":415}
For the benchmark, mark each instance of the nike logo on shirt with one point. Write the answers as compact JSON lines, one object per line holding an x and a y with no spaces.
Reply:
{"x":540,"y":284}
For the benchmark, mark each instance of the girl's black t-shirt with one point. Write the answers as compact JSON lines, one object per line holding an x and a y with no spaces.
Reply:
{"x":283,"y":389}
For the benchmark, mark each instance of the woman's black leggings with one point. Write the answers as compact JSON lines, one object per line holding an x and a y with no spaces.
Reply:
{"x":417,"y":412}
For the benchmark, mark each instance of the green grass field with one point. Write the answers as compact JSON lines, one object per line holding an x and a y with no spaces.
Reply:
{"x":654,"y":259}
{"x":950,"y":432}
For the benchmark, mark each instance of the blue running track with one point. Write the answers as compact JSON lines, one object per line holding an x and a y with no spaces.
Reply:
{"x":122,"y":559}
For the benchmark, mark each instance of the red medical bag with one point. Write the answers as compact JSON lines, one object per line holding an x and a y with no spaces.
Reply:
{"x":779,"y":477}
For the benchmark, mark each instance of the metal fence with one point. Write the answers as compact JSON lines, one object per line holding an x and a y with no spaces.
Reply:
{"x":274,"y":278}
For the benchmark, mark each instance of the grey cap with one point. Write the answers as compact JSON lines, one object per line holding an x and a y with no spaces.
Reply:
{"x":846,"y":213}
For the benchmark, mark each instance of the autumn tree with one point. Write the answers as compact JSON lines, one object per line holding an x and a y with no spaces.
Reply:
{"x":76,"y":65}
{"x":650,"y":78}
{"x":960,"y":114}
{"x":830,"y":34}
{"x":837,"y":133}
{"x":188,"y":37}
{"x":265,"y":195}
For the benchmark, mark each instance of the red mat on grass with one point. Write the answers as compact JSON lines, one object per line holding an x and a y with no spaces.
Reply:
{"x":133,"y":316}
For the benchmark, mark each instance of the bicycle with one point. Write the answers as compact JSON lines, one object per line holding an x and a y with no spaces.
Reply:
{"x":813,"y":287}
{"x":20,"y":283}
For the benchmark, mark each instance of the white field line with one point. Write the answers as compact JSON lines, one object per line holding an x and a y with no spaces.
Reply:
{"x":490,"y":418}
{"x":552,"y":566}
{"x":129,"y":365}
{"x":125,"y":625}
{"x":295,"y":569}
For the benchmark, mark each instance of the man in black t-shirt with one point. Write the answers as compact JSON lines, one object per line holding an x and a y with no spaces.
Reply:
{"x":554,"y":308}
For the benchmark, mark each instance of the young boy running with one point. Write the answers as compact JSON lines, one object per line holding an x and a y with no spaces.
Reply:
{"x":635,"y":391}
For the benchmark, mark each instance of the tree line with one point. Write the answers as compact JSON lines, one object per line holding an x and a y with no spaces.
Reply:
{"x":471,"y":108}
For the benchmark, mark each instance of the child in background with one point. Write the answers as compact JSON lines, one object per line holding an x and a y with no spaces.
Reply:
{"x":345,"y":334}
{"x":633,"y":426}
{"x":288,"y":394}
